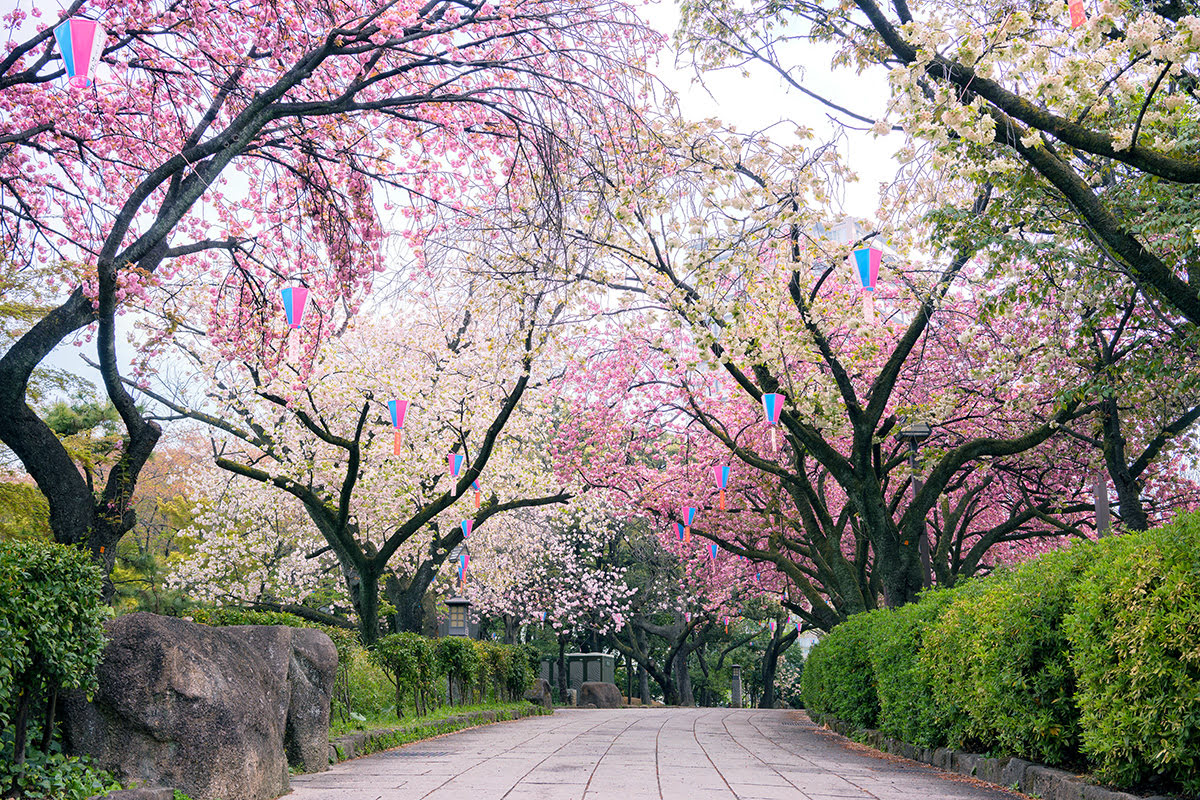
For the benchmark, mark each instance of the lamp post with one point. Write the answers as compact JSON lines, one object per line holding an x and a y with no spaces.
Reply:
{"x":914,"y":434}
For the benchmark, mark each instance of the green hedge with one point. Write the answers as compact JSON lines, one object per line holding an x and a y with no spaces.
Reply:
{"x":1135,"y":636}
{"x":838,"y":679}
{"x":1087,"y":657}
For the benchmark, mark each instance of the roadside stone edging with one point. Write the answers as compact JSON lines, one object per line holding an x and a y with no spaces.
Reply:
{"x":1010,"y":772}
{"x":356,"y":745}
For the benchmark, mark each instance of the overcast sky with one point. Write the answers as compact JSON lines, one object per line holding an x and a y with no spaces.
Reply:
{"x":763,"y":100}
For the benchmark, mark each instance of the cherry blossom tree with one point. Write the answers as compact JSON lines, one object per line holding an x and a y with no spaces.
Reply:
{"x":251,"y":146}
{"x":1085,"y":133}
{"x":731,"y":245}
{"x":472,"y":359}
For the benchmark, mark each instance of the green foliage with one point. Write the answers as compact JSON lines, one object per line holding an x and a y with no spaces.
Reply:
{"x":1090,"y":652}
{"x":1135,"y":637}
{"x":51,"y":617}
{"x":53,"y":776}
{"x":837,"y":677}
{"x":24,"y":512}
{"x":522,"y":669}
{"x":458,"y":659}
{"x":52,"y":629}
{"x":904,"y":685}
{"x":945,"y":658}
{"x":408,"y":660}
{"x":1021,"y":683}
{"x":495,"y":663}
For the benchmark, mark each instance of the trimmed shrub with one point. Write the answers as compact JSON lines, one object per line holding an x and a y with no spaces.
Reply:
{"x":1135,"y":636}
{"x":838,"y":679}
{"x":520,"y":673}
{"x":1021,"y":699}
{"x":903,"y":684}
{"x":946,"y":658}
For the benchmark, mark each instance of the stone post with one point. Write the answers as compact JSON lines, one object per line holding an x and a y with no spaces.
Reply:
{"x":735,"y":679}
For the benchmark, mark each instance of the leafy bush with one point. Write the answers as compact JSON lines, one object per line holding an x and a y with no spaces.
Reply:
{"x":408,"y":660}
{"x":903,"y":684}
{"x":838,"y":679}
{"x":52,"y":622}
{"x":495,"y":662}
{"x":522,"y":669}
{"x":53,"y":776}
{"x":1135,"y":636}
{"x":1022,"y":684}
{"x":458,"y":659}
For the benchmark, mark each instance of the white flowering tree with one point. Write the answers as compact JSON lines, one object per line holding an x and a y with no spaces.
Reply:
{"x":247,"y":545}
{"x":469,"y":356}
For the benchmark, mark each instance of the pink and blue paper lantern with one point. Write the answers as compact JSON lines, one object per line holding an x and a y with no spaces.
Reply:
{"x":721,"y":474}
{"x":467,"y":525}
{"x":773,"y":406}
{"x":81,"y":42}
{"x":295,"y":298}
{"x":866,"y":260}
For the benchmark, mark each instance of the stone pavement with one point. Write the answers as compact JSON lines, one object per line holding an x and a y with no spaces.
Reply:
{"x":671,"y":754}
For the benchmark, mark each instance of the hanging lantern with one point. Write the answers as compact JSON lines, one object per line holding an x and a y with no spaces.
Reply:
{"x":398,"y":409}
{"x":773,"y":406}
{"x":1078,"y":15}
{"x":771,"y":625}
{"x":721,"y":473}
{"x":478,"y":492}
{"x":543,"y":617}
{"x":679,"y":530}
{"x":81,"y":42}
{"x":455,"y":463}
{"x":463,"y":559}
{"x":687,"y":617}
{"x":295,"y":298}
{"x":689,"y":516}
{"x":467,"y":525}
{"x":712,"y":550}
{"x":866,"y":261}
{"x":727,"y":624}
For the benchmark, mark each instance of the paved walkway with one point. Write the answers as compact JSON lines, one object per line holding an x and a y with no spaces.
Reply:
{"x":630,"y":754}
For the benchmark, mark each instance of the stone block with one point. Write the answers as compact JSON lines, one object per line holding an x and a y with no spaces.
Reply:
{"x":601,"y":695}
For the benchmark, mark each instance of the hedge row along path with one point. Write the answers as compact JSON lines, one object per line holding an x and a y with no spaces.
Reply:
{"x":635,"y":753}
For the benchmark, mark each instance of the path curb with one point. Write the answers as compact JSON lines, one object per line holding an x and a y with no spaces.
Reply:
{"x":1010,"y":772}
{"x":356,"y":745}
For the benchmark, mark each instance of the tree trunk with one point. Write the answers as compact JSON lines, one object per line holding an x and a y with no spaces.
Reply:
{"x":1129,"y":498}
{"x":770,"y":664}
{"x":683,"y":678}
{"x":644,"y":685}
{"x":368,"y":605}
{"x":562,"y":668}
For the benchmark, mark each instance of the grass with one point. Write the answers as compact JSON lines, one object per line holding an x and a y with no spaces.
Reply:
{"x":388,"y":719}
{"x":388,"y":733}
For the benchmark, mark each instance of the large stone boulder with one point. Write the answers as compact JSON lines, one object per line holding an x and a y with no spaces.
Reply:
{"x":210,"y":711}
{"x":601,"y":695}
{"x":539,"y":694}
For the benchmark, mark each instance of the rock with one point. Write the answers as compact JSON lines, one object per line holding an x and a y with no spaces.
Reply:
{"x":309,"y":659}
{"x":603,"y":695}
{"x":572,"y":695}
{"x":207,"y":710}
{"x":540,"y":694}
{"x":144,"y":793}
